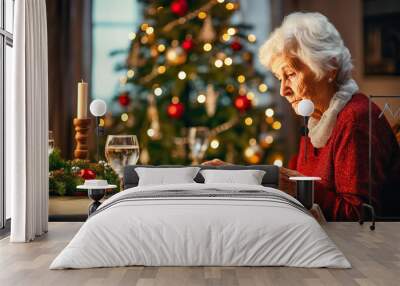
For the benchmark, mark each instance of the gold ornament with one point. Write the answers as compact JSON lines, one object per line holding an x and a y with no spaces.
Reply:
{"x":266,"y":139}
{"x":176,"y":56}
{"x":207,"y":32}
{"x":211,"y":100}
{"x":253,"y":154}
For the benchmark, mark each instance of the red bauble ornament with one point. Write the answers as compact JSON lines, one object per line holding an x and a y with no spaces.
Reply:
{"x":175,"y":110}
{"x":87,"y":174}
{"x":236,"y":46}
{"x":188,"y":45}
{"x":179,"y":7}
{"x":242,"y":103}
{"x":124,"y":99}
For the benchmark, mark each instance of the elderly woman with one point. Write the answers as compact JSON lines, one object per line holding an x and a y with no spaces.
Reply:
{"x":308,"y":56}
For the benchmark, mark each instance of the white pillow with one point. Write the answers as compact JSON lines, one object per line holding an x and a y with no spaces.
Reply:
{"x":166,"y":176}
{"x":249,"y":177}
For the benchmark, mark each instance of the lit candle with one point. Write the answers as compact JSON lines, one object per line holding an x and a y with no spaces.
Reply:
{"x":82,"y":100}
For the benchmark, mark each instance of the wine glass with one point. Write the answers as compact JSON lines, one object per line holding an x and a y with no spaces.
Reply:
{"x":198,"y":143}
{"x":51,"y":142}
{"x":120,"y":151}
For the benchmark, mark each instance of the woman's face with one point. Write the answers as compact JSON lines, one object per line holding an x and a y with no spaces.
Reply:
{"x":298,"y":82}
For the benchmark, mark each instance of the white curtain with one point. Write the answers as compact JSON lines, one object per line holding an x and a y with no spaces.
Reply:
{"x":27,"y":124}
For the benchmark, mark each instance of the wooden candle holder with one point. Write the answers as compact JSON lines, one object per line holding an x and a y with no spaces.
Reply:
{"x":81,"y":136}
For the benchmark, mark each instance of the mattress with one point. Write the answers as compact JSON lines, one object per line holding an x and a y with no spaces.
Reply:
{"x":201,"y":225}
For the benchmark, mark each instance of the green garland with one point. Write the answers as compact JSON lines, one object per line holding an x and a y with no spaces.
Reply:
{"x":64,"y":175}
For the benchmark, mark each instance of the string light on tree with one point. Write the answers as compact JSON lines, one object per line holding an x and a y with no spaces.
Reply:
{"x":124,"y":117}
{"x":230,"y":6}
{"x":252,"y":141}
{"x":263,"y":87}
{"x":149,"y":30}
{"x":269,"y":112}
{"x":181,"y":75}
{"x":158,"y":91}
{"x":207,"y":47}
{"x":214,"y":144}
{"x":278,"y":160}
{"x":276,"y":125}
{"x":161,"y":69}
{"x":218,"y":63}
{"x":248,"y":121}
{"x":201,"y":98}
{"x":202,"y":15}
{"x":144,"y":26}
{"x":130,"y":73}
{"x":251,"y":38}
{"x":226,"y":37}
{"x":161,"y":48}
{"x":241,"y":78}
{"x":231,"y":31}
{"x":123,"y":80}
{"x":150,"y":132}
{"x":132,"y":36}
{"x":228,"y":61}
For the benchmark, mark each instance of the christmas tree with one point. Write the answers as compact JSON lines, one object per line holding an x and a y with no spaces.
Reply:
{"x":188,"y":65}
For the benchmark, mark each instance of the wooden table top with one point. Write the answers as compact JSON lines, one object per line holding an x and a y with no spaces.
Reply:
{"x":374,"y":255}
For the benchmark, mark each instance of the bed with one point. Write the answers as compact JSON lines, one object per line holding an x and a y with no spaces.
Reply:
{"x":197,"y":224}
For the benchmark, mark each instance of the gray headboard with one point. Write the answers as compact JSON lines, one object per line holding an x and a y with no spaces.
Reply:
{"x":270,"y":179}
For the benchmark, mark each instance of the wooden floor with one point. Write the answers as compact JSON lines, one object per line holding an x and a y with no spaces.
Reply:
{"x":375,"y":257}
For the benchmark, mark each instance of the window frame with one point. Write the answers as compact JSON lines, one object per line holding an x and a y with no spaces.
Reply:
{"x":6,"y":39}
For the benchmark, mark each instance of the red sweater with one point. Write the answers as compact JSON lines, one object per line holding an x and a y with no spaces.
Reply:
{"x":343,"y":164}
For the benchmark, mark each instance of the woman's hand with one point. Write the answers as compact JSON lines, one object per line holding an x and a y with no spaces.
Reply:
{"x":285,"y":184}
{"x":215,"y":162}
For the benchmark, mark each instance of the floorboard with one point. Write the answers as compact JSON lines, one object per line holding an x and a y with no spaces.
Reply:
{"x":374,"y":255}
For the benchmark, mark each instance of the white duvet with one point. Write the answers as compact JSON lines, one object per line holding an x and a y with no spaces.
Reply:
{"x":200,"y":231}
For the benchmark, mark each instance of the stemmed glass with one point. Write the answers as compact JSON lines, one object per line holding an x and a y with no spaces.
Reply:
{"x":120,"y":151}
{"x":198,"y":143}
{"x":51,"y":142}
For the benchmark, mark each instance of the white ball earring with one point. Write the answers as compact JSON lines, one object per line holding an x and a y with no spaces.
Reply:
{"x":330,"y":79}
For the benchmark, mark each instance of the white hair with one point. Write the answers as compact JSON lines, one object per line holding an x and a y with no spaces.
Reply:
{"x":314,"y":40}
